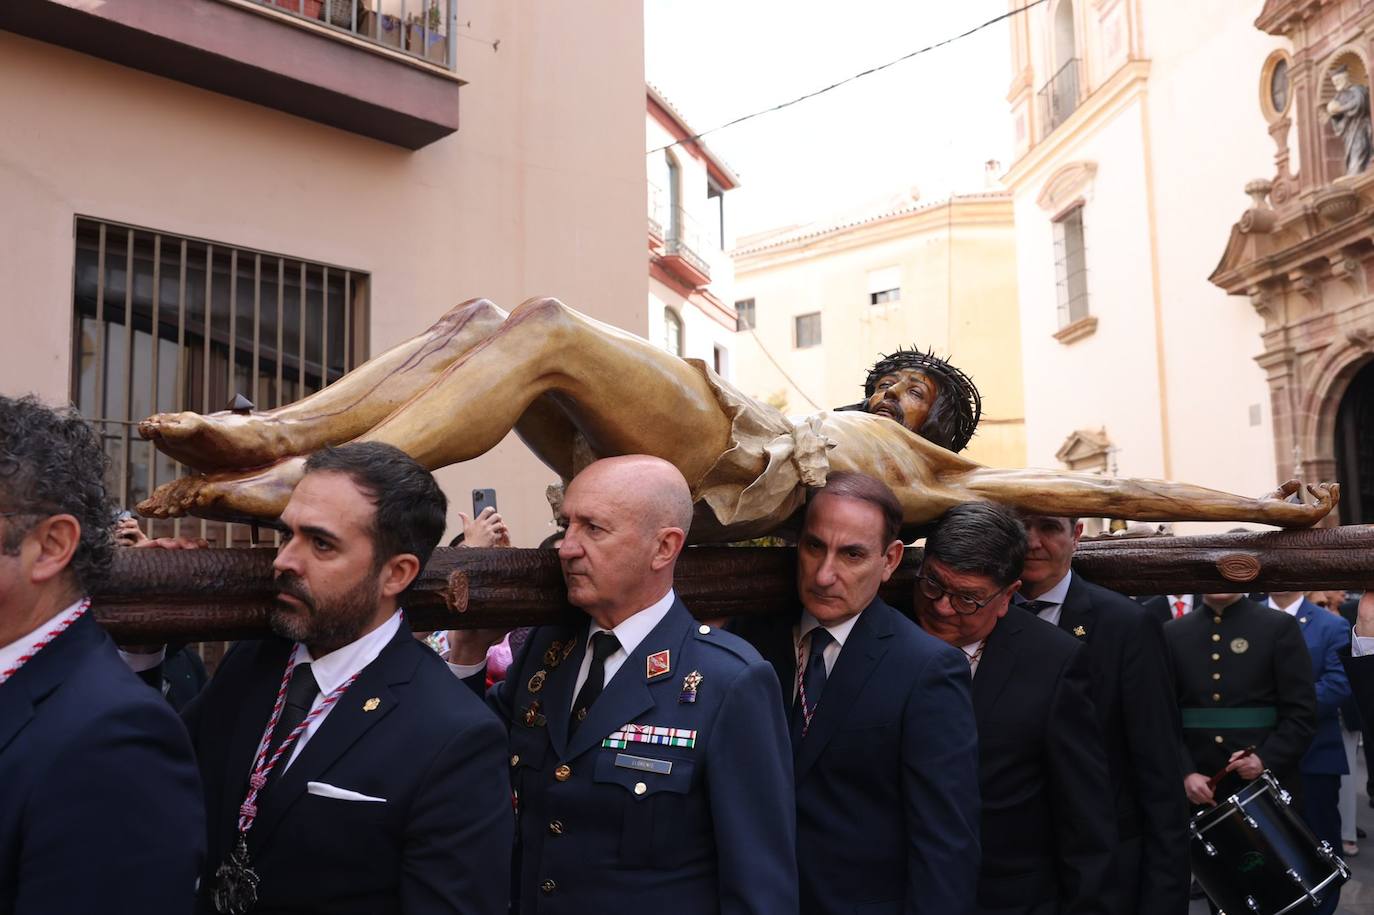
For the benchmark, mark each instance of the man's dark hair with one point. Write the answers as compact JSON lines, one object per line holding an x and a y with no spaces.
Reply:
{"x":958,"y":406}
{"x":979,"y":538}
{"x":848,"y":484}
{"x":411,"y":508}
{"x":52,"y":463}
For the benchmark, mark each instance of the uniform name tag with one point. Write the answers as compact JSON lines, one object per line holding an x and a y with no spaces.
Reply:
{"x":643,"y":764}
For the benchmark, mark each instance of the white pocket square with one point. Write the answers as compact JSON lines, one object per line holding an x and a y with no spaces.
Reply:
{"x":320,"y":789}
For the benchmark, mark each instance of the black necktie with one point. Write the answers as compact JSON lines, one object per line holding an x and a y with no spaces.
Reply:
{"x":300,"y":695}
{"x":603,"y":646}
{"x":1035,"y":606}
{"x":812,"y":685}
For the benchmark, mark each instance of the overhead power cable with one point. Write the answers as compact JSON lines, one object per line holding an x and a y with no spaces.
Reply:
{"x":870,"y":71}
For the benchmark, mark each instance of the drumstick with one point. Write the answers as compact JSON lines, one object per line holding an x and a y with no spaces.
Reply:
{"x":1212,"y":782}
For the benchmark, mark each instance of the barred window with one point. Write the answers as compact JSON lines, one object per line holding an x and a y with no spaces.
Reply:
{"x":165,"y":323}
{"x":744,"y":311}
{"x":806,"y":330}
{"x":1070,"y":267}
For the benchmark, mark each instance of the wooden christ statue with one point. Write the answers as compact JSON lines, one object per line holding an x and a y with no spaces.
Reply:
{"x":575,"y":389}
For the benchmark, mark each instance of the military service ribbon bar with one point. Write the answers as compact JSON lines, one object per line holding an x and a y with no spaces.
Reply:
{"x":648,"y":733}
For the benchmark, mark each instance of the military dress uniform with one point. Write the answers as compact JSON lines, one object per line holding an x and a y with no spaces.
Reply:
{"x":1243,"y":677}
{"x":674,"y":789}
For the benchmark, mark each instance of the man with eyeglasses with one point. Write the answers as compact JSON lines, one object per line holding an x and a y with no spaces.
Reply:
{"x":1047,"y":828}
{"x":100,"y":803}
{"x":881,"y":722}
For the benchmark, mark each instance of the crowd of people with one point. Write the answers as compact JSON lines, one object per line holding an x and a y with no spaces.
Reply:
{"x":1018,"y":740}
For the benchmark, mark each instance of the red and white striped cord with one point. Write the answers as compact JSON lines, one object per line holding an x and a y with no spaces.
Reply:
{"x":262,"y":766}
{"x":60,"y":625}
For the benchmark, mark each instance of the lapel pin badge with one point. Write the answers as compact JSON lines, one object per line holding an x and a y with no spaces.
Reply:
{"x":1079,"y":631}
{"x":657,"y":665}
{"x":537,"y":681}
{"x":371,"y":704}
{"x":689,"y":688}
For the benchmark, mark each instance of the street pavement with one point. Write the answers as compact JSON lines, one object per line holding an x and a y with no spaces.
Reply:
{"x":1357,"y":896}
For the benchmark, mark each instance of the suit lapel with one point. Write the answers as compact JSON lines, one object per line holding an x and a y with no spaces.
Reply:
{"x":21,"y":695}
{"x":777,"y":645}
{"x":997,"y":664}
{"x":1076,"y":614}
{"x":628,"y":695}
{"x":858,"y":659}
{"x":558,"y":697}
{"x":352,"y":716}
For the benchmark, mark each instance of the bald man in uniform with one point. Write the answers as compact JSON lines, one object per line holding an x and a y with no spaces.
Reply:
{"x":650,"y":759}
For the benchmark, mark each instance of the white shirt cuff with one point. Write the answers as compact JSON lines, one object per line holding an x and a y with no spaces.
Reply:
{"x":1360,"y":645}
{"x":463,"y":671}
{"x":141,"y":662}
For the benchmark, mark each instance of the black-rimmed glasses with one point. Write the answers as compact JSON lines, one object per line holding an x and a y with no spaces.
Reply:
{"x":962,"y":604}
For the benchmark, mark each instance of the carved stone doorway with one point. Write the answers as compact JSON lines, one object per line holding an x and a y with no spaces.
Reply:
{"x":1355,"y":448}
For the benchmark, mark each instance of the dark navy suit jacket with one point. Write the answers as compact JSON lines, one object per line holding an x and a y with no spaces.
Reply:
{"x":672,"y":830}
{"x":438,"y":842}
{"x":100,"y":805}
{"x":1133,"y":691}
{"x":1326,"y":635}
{"x":887,"y":776}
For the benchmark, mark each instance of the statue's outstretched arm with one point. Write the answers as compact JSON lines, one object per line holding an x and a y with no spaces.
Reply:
{"x":1066,"y":493}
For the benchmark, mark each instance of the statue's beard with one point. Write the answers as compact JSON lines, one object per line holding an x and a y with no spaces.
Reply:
{"x":324,"y":624}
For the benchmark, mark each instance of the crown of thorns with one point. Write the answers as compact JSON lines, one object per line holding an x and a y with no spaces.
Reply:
{"x":958,"y":405}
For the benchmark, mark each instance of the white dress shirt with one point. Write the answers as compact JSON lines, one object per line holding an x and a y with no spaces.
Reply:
{"x":336,"y":667}
{"x":11,"y":653}
{"x":1175,"y":599}
{"x":831,"y":653}
{"x":1360,"y":645}
{"x":629,"y":633}
{"x":1055,"y":597}
{"x":1291,"y":609}
{"x":975,"y":657}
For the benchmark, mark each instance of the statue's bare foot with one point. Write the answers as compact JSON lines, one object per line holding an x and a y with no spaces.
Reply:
{"x":260,"y":494}
{"x":224,"y":440}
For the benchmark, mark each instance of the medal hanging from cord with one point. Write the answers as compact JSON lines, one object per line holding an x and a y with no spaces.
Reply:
{"x":236,"y":883}
{"x":61,"y":625}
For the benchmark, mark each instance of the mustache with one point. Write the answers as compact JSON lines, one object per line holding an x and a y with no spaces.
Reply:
{"x":290,"y":583}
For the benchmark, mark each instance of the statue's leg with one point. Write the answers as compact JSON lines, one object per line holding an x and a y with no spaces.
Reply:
{"x":623,"y":394}
{"x":338,"y":413}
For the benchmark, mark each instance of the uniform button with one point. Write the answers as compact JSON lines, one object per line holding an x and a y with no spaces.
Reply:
{"x":515,"y":759}
{"x":640,"y":787}
{"x":1216,"y":697}
{"x":1215,"y":656}
{"x":1216,"y":619}
{"x":705,"y":630}
{"x":1215,"y":637}
{"x":548,"y":886}
{"x":562,"y":773}
{"x":1216,"y":676}
{"x":556,"y":827}
{"x":1217,"y":738}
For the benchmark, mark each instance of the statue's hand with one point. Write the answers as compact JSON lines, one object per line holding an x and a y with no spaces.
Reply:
{"x":1302,"y":514}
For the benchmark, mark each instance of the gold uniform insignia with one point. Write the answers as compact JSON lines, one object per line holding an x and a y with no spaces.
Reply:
{"x":1079,"y":631}
{"x":1240,"y":646}
{"x":371,"y":704}
{"x":537,"y":681}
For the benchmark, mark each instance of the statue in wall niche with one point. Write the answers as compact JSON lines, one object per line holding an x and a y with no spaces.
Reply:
{"x":1349,"y":111}
{"x":575,"y":390}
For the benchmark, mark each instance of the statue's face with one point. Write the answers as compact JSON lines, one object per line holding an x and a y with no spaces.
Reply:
{"x":1340,"y":80}
{"x":907,"y":396}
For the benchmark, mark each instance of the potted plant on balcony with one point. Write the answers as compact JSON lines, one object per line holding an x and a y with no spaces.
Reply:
{"x":423,"y":35}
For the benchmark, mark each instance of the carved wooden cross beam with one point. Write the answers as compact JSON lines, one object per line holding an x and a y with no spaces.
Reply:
{"x":195,"y":595}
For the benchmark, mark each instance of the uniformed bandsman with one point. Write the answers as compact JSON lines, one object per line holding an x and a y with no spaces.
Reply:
{"x":1243,"y":678}
{"x":649,"y":756}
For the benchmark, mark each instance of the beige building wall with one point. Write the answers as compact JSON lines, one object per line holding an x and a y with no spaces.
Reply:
{"x":956,"y":265}
{"x":1166,"y":131}
{"x":539,"y":193}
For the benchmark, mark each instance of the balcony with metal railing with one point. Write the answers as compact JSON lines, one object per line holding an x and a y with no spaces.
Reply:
{"x":682,"y":249}
{"x":1059,"y":96}
{"x":419,"y":28}
{"x":386,"y":73}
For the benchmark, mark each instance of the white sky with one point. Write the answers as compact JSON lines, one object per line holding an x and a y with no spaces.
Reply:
{"x":929,"y":122}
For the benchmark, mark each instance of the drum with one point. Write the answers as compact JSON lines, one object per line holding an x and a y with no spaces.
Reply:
{"x":1253,"y":854}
